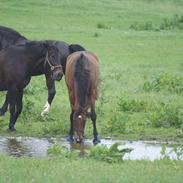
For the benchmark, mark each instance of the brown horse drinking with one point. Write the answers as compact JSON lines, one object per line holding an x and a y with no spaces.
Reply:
{"x":82,"y":79}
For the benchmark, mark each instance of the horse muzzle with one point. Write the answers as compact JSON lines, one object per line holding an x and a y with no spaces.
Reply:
{"x":78,"y":139}
{"x":57,"y":76}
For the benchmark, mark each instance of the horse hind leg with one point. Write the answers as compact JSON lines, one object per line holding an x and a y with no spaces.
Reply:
{"x":15,"y":109}
{"x":93,"y":116}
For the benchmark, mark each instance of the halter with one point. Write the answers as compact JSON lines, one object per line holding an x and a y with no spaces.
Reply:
{"x":52,"y":67}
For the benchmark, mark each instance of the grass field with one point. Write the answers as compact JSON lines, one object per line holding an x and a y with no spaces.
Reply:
{"x":139,"y":44}
{"x":64,"y":170}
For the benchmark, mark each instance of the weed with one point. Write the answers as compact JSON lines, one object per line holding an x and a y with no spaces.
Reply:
{"x":27,"y":109}
{"x":126,"y":104}
{"x":96,"y":34}
{"x":55,"y":128}
{"x":176,"y":21}
{"x":179,"y":152}
{"x":63,"y":152}
{"x":164,"y":81}
{"x":116,"y":123}
{"x":102,"y":26}
{"x":110,"y":155}
{"x":165,"y":115}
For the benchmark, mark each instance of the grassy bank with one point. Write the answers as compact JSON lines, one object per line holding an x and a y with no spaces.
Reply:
{"x":60,"y":170}
{"x":139,"y":44}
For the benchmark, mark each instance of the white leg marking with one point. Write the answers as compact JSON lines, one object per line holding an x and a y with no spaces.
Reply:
{"x":46,"y":109}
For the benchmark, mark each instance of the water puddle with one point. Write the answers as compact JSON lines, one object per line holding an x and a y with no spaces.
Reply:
{"x":37,"y":147}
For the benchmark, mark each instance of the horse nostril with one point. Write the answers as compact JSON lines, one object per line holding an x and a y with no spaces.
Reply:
{"x":79,"y":139}
{"x":59,"y":76}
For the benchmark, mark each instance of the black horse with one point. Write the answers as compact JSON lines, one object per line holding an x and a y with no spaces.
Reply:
{"x":65,"y":50}
{"x":9,"y":36}
{"x":17,"y":65}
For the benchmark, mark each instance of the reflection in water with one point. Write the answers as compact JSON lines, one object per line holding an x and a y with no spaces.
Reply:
{"x":16,"y":148}
{"x":35,"y":147}
{"x":80,"y":147}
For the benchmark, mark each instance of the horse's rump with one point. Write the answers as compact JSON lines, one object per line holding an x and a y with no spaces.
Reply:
{"x":82,"y":78}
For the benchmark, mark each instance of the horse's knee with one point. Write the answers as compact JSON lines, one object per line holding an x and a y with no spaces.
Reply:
{"x":12,"y":108}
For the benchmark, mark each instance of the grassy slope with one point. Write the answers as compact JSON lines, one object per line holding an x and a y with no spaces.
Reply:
{"x":126,"y":57}
{"x":57,"y":170}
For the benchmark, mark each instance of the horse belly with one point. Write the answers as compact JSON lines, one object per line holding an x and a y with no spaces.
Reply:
{"x":3,"y":86}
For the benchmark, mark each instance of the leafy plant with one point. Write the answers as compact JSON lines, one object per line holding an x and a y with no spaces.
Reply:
{"x":116,"y":123}
{"x":126,"y":104}
{"x":27,"y":109}
{"x":102,"y":26}
{"x":63,"y":152}
{"x":55,"y":128}
{"x":97,"y":34}
{"x":176,"y":21}
{"x":110,"y":155}
{"x":179,"y":152}
{"x":165,"y":115}
{"x":164,"y":81}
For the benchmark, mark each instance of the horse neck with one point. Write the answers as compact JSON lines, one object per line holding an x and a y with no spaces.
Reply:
{"x":37,"y":59}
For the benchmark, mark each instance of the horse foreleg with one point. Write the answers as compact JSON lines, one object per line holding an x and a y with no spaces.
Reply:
{"x":15,"y":109}
{"x":93,"y":116}
{"x":4,"y":108}
{"x":71,"y":132}
{"x":51,"y":93}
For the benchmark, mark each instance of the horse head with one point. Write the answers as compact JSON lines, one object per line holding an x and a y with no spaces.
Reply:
{"x":53,"y":60}
{"x":79,"y":121}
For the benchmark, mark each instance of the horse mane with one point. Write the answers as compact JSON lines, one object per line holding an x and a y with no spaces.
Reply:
{"x":8,"y":30}
{"x":81,"y":75}
{"x":75,"y":47}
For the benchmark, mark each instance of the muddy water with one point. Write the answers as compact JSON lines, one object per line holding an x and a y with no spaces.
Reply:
{"x":37,"y":147}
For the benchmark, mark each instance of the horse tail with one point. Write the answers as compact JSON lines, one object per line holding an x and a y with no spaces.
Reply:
{"x":82,"y":78}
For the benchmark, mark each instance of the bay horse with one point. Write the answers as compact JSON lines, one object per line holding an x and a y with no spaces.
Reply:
{"x":82,"y":80}
{"x":17,"y":64}
{"x":9,"y":37}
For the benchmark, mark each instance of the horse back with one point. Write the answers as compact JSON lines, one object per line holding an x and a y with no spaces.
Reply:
{"x":9,"y":37}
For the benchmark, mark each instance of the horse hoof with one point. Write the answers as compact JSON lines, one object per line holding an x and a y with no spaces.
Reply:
{"x":96,"y":140}
{"x":70,"y":139}
{"x":11,"y":129}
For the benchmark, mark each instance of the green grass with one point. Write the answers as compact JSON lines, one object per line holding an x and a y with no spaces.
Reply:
{"x":128,"y":58}
{"x":63,"y":170}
